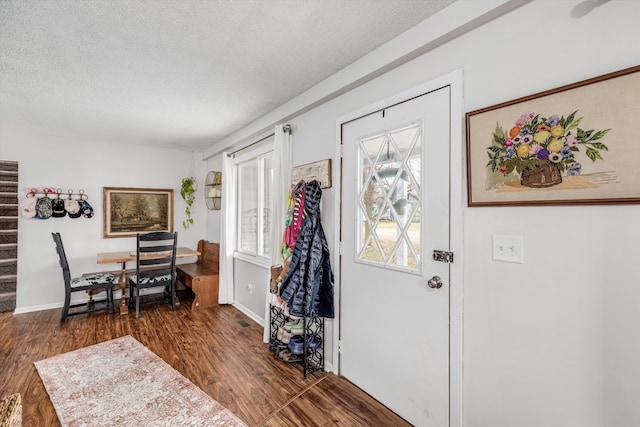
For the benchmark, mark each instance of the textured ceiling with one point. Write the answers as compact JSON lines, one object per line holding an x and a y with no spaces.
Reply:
{"x":181,"y":73}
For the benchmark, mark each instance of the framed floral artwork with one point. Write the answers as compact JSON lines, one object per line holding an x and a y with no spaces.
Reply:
{"x":576,"y":144}
{"x":128,"y":211}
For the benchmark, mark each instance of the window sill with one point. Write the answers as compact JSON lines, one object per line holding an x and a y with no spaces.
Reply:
{"x":252,"y":259}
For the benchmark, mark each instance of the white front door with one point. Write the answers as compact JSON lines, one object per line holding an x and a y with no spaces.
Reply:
{"x":394,"y":297}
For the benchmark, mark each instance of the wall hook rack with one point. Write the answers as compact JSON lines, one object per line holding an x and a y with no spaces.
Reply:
{"x":56,"y":194}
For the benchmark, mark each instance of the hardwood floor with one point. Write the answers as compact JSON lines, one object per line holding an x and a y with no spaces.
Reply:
{"x":211,"y":347}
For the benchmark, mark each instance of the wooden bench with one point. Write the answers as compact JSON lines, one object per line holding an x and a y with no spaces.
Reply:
{"x":202,"y":277}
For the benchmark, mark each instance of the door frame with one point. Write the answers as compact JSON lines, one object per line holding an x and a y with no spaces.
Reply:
{"x":457,"y":197}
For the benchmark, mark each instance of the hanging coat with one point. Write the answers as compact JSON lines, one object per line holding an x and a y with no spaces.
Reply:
{"x":308,"y":286}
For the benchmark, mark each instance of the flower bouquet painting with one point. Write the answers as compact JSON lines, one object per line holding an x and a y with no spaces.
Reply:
{"x":541,"y":149}
{"x":575,"y":144}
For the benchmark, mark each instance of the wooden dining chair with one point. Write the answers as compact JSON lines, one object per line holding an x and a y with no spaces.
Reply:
{"x":155,"y":267}
{"x":94,"y":282}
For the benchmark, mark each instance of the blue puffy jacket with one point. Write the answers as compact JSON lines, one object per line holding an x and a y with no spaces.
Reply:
{"x":307,"y":287}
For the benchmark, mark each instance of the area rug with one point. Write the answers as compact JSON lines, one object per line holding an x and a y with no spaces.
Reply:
{"x":121,"y":382}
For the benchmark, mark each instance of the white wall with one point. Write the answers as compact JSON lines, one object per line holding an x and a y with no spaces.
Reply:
{"x":50,"y":161}
{"x":554,"y":341}
{"x":540,"y":338}
{"x":251,"y":301}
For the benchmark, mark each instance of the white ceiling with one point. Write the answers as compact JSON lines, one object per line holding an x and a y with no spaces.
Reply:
{"x":177,"y":73}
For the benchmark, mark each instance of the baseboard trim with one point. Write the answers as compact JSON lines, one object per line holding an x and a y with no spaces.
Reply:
{"x":259,"y":320}
{"x":33,"y":308}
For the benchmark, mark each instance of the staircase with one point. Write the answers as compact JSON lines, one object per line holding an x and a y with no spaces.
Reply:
{"x":8,"y":234}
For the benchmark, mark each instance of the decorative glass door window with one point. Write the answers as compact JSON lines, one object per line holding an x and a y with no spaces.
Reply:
{"x":388,"y":217}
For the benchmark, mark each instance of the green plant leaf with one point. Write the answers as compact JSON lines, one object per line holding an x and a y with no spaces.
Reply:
{"x":573,"y":125}
{"x":599,"y":134}
{"x":533,"y":126}
{"x":593,"y":154}
{"x":186,"y":191}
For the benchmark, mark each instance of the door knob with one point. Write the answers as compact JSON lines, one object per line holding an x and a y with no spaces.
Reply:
{"x":435,"y":282}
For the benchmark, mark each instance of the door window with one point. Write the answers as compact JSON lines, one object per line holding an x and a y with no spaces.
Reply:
{"x":388,"y":214}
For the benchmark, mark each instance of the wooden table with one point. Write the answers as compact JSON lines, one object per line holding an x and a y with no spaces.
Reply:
{"x":125,"y":256}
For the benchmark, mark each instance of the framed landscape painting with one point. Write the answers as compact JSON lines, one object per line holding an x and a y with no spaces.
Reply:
{"x":129,"y":211}
{"x":576,"y":144}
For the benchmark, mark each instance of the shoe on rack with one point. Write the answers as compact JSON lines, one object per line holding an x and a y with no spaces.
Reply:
{"x":293,"y":324}
{"x":297,"y":329}
{"x":283,"y":272}
{"x":289,"y":357}
{"x":294,"y":358}
{"x":312,"y":328}
{"x":276,"y":270}
{"x":284,"y":354}
{"x":277,"y":348}
{"x":296,"y":344}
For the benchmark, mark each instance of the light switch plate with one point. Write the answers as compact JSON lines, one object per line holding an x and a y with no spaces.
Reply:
{"x":508,"y":248}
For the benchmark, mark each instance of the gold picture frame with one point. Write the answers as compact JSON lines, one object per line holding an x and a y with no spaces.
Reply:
{"x":576,"y":144}
{"x":129,"y":211}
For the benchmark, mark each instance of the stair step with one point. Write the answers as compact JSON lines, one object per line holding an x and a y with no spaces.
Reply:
{"x":8,"y":283}
{"x":7,"y":301}
{"x":8,"y":236}
{"x":8,"y":252}
{"x":8,"y":268}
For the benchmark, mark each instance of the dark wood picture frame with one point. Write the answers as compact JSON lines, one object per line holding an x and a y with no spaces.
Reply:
{"x":129,"y":211}
{"x":575,"y":144}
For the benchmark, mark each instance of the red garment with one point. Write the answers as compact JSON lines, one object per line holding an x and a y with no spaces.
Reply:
{"x":296,"y":214}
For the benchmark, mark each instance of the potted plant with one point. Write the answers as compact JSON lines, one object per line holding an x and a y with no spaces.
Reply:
{"x":187,"y":191}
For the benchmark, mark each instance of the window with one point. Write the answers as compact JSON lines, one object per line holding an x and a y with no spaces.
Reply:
{"x":255,"y":181}
{"x":389,"y":198}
